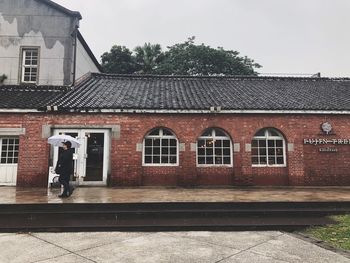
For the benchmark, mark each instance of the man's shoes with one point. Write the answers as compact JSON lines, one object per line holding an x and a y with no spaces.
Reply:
{"x":71,"y":191}
{"x":63,"y":196}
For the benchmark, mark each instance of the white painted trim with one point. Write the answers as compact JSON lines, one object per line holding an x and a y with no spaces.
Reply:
{"x":344,"y":112}
{"x":161,"y":137}
{"x":106,"y":157}
{"x":14,"y":166}
{"x":236,"y":147}
{"x":24,"y":49}
{"x":12,"y":131}
{"x":81,"y":162}
{"x":266,"y":138}
{"x":290,"y":147}
{"x":214,"y":165}
{"x":227,"y":137}
{"x":219,"y":112}
{"x":18,"y":110}
{"x":270,"y":165}
{"x":139,"y":147}
{"x":159,"y":165}
{"x":8,"y":184}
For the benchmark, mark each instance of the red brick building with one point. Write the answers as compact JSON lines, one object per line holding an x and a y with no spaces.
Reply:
{"x":159,"y":130}
{"x":181,"y":131}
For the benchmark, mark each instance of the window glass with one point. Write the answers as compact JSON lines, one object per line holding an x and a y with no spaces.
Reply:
{"x":207,"y":133}
{"x":226,"y":143}
{"x":173,"y":159}
{"x":148,"y":142}
{"x":262,"y":143}
{"x":219,"y":133}
{"x":268,"y":148}
{"x":167,"y":132}
{"x":30,"y":63}
{"x":160,"y":147}
{"x":280,"y":160}
{"x":271,"y":143}
{"x":218,"y":143}
{"x":214,"y":148}
{"x":273,"y":133}
{"x":227,"y":160}
{"x":260,"y":133}
{"x":9,"y":150}
{"x":155,"y":132}
{"x":173,"y":142}
{"x":279,"y":143}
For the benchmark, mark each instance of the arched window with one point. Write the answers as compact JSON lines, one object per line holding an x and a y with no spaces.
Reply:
{"x":268,"y":148}
{"x":214,"y":147}
{"x":160,"y":148}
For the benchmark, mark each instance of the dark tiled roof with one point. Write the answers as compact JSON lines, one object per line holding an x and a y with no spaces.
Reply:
{"x":103,"y":91}
{"x":28,"y":97}
{"x":131,"y":92}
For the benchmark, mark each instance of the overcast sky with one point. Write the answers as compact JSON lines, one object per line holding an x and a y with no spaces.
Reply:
{"x":284,"y":36}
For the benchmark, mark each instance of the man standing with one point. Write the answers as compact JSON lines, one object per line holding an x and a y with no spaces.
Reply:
{"x":64,"y":168}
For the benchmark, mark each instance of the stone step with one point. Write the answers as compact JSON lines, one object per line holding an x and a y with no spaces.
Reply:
{"x":167,"y":216}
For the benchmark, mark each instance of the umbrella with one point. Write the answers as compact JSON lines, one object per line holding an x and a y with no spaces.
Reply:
{"x":57,"y":140}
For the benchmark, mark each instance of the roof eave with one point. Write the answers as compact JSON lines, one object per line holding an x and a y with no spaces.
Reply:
{"x":19,"y":110}
{"x":61,"y":8}
{"x":209,"y":111}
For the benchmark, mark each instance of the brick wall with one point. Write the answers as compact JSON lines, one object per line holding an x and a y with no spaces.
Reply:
{"x":305,"y":164}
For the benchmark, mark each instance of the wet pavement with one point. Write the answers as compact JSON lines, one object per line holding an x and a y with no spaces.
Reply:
{"x":224,"y":247}
{"x":13,"y":195}
{"x":199,"y":246}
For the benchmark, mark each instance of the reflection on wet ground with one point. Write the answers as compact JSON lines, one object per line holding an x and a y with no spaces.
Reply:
{"x":12,"y":195}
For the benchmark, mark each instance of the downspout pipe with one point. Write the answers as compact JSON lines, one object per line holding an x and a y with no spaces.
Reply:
{"x":75,"y":42}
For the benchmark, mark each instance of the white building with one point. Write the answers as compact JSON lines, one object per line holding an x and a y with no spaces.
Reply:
{"x":40,"y":44}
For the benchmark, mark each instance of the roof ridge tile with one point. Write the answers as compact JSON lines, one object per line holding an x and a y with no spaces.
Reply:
{"x":234,"y":77}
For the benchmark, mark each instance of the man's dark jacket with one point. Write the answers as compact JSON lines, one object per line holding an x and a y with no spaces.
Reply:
{"x":65,"y":163}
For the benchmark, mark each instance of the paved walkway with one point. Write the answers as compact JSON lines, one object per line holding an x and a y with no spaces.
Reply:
{"x":173,"y":247}
{"x":12,"y":195}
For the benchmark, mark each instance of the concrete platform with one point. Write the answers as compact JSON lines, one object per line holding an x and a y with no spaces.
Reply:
{"x":16,"y":195}
{"x":158,"y":209}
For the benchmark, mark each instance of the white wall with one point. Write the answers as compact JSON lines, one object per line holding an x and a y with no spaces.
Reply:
{"x":51,"y":64}
{"x":8,"y":174}
{"x":51,"y":60}
{"x":84,"y":62}
{"x":30,"y":23}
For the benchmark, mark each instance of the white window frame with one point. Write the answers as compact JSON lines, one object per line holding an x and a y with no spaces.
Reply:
{"x":214,"y":137}
{"x":267,"y":137}
{"x":14,"y":144}
{"x":24,"y":66}
{"x":160,"y":136}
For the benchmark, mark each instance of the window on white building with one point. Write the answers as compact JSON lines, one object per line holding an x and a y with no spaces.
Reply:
{"x":9,"y":150}
{"x":214,"y":148}
{"x":30,"y":65}
{"x":160,"y":147}
{"x":268,"y":148}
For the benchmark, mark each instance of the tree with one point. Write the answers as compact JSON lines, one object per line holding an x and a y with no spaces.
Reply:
{"x":119,"y":60}
{"x":190,"y":59}
{"x":148,"y":57}
{"x":3,"y":77}
{"x":180,"y":59}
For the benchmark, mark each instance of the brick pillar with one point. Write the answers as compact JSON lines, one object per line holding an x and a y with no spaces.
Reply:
{"x":33,"y":165}
{"x":188,"y":171}
{"x":243,"y":167}
{"x":295,"y":164}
